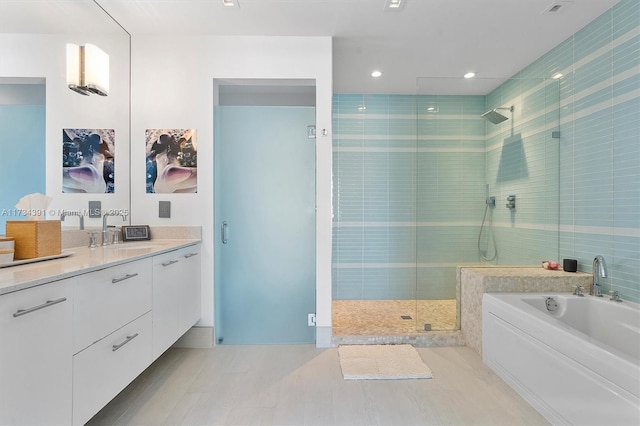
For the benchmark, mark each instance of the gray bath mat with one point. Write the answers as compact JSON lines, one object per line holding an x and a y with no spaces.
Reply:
{"x":386,"y":362}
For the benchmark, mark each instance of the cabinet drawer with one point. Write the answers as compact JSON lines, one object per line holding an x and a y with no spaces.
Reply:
{"x":108,"y":299}
{"x":102,"y":370}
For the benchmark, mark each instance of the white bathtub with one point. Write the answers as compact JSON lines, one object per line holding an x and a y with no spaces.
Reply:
{"x":578,"y":365}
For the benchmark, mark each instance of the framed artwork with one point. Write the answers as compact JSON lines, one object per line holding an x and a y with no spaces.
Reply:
{"x":171,"y":161}
{"x":88,"y":157}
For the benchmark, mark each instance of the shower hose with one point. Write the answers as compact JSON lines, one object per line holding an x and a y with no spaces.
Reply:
{"x":493,"y":237}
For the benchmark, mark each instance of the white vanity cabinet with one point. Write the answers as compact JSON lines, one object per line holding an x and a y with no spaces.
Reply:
{"x":68,"y":346}
{"x":176,"y":295}
{"x":35,"y":355}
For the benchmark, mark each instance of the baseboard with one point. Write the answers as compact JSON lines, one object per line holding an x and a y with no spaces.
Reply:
{"x":323,"y":337}
{"x":196,"y":337}
{"x":202,"y":337}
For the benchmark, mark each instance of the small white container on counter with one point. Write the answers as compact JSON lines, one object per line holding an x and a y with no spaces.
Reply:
{"x":6,"y":255}
{"x":7,"y":243}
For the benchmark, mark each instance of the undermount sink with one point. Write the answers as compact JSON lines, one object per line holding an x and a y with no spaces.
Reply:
{"x":126,"y":246}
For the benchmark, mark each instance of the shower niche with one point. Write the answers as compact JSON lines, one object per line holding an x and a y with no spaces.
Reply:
{"x":410,"y":196}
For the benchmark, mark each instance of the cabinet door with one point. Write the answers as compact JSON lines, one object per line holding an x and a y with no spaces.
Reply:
{"x":190,"y":288}
{"x":35,"y":355}
{"x":167,"y":275}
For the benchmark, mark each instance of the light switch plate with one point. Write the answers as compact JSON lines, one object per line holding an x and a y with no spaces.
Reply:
{"x":164,"y":209}
{"x":95,"y":209}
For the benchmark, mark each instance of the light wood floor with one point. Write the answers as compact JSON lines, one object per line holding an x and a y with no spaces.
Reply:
{"x":382,"y":317}
{"x":303,"y":385}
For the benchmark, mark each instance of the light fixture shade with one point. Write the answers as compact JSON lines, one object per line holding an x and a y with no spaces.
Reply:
{"x":96,"y":70}
{"x":87,"y":69}
{"x":393,"y":4}
{"x":74,"y":69}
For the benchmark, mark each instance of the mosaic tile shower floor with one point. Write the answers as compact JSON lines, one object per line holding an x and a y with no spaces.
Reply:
{"x":385,"y":317}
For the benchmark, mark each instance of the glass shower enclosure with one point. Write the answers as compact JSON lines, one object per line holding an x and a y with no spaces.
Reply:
{"x":414,"y":180}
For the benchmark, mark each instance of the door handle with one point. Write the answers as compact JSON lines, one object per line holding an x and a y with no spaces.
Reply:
{"x":223,"y":232}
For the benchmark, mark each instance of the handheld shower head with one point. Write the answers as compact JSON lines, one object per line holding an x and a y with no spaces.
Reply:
{"x":495,"y":117}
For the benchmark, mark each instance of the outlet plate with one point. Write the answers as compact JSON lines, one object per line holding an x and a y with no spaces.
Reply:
{"x":95,"y":209}
{"x":164,"y":209}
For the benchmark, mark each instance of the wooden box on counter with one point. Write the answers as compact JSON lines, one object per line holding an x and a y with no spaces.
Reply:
{"x":35,"y":238}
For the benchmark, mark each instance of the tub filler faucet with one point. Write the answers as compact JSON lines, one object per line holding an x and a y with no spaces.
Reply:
{"x":599,"y":271}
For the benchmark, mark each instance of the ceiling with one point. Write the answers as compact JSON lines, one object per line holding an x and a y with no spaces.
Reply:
{"x":439,"y":39}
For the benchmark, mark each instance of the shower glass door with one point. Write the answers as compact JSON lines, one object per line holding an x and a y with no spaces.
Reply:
{"x":450,"y":176}
{"x":265,"y":225}
{"x":462,"y":158}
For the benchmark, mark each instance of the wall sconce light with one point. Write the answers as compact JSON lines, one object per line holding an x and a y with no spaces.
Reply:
{"x":87,"y":69}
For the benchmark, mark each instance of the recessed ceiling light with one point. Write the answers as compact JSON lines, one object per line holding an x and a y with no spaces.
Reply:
{"x":432,"y":109}
{"x":376,"y":74}
{"x":393,"y":4}
{"x":557,"y":75}
{"x":361,"y":108}
{"x":470,"y":75}
{"x":230,"y":3}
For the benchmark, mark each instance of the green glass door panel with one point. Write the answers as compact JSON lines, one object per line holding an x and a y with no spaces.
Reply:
{"x":265,"y":212}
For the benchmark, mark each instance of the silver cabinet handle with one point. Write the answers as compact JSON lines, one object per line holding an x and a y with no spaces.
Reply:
{"x":48,"y":303}
{"x":127,"y":340}
{"x":223,"y":232}
{"x":171,"y":262}
{"x":126,"y":277}
{"x":188,"y":255}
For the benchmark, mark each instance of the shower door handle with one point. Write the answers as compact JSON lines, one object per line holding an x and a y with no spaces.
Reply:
{"x":223,"y":232}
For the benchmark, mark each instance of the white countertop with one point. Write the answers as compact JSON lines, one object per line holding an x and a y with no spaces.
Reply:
{"x":82,"y":261}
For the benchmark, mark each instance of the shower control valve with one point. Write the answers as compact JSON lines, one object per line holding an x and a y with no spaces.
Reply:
{"x":511,"y":202}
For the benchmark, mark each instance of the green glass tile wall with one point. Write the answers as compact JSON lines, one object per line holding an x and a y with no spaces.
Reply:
{"x":409,"y":184}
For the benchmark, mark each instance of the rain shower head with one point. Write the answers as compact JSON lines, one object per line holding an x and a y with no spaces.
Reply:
{"x":495,"y":117}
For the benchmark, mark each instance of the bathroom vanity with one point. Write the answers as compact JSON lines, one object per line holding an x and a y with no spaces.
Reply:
{"x":76,"y":331}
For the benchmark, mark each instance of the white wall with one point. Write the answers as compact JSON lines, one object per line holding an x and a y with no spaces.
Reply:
{"x":173,"y":87}
{"x":44,"y":56}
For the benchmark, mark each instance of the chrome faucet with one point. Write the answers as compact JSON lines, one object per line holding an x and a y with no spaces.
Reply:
{"x":615,"y":296}
{"x":66,"y":213}
{"x":599,"y":271}
{"x":105,"y":230}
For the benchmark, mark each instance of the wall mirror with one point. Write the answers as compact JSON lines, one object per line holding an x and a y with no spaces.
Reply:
{"x":37,"y":106}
